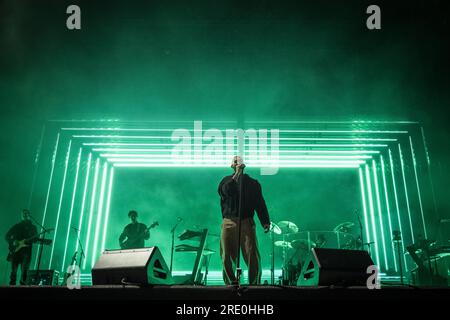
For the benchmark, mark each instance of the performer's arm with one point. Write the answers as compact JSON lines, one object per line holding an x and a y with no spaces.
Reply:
{"x":9,"y":235}
{"x":261,"y":208}
{"x":123,"y":235}
{"x":146,"y":233}
{"x":33,"y":235}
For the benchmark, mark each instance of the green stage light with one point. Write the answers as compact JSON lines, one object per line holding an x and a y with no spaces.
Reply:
{"x":363,"y":196}
{"x":61,"y":195}
{"x":372,"y":214}
{"x":380,"y":216}
{"x":344,"y":131}
{"x":125,"y":137}
{"x":149,"y":151}
{"x":108,"y":202}
{"x":146,"y":157}
{"x":83,"y":202}
{"x":304,"y":148}
{"x":50,"y":180}
{"x":91,"y":210}
{"x":413,"y":156}
{"x":394,"y":256}
{"x":203,"y":130}
{"x":74,"y":192}
{"x":397,"y":206}
{"x":168,"y":165}
{"x":225,"y":161}
{"x":99,"y":214}
{"x":315,"y":145}
{"x":402,"y":165}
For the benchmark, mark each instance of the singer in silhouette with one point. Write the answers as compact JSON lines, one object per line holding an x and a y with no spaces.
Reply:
{"x":134,"y":234}
{"x":20,"y":238}
{"x":252,"y":200}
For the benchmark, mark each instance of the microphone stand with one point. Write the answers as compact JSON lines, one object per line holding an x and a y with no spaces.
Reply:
{"x":397,"y":238}
{"x":40,"y":247}
{"x":81,"y":249}
{"x":173,"y":243}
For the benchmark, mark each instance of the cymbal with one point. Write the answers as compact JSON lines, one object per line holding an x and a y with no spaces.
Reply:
{"x":283,"y":244}
{"x":344,"y":227}
{"x":275,"y":228}
{"x":302,"y":244}
{"x":288,"y":227}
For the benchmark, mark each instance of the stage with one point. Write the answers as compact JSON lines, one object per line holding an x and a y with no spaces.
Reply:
{"x":155,"y":151}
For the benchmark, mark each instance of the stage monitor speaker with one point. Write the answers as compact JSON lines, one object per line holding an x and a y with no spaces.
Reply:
{"x":42,"y":277}
{"x":136,"y":266}
{"x":339,"y":267}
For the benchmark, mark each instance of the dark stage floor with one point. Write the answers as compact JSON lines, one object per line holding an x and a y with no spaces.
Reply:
{"x":224,"y":293}
{"x":222,"y":302}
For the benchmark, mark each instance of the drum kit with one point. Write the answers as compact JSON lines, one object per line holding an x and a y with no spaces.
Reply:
{"x":295,"y":246}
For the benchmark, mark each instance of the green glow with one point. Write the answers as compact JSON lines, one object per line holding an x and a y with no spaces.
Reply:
{"x":397,"y":206}
{"x":225,"y":161}
{"x":347,"y":152}
{"x":197,"y":165}
{"x":281,"y":138}
{"x":108,"y":202}
{"x":377,"y":193}
{"x":337,"y":122}
{"x":55,"y":150}
{"x":167,"y":150}
{"x":388,"y":212}
{"x":413,"y":156}
{"x":146,"y":157}
{"x":91,"y":210}
{"x":425,"y":147}
{"x":372,"y":214}
{"x":204,"y":130}
{"x":83,"y":202}
{"x":66,"y":164}
{"x":69,"y":224}
{"x":406,"y":192}
{"x":363,"y":195}
{"x":99,"y":213}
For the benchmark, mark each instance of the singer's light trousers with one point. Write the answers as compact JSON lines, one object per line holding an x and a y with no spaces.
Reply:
{"x":248,"y":246}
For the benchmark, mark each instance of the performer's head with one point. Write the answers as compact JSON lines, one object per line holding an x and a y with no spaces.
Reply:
{"x":237,"y":161}
{"x":133,"y":215}
{"x":25,"y":214}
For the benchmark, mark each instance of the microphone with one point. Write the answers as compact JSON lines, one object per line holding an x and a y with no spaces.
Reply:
{"x":76,"y":229}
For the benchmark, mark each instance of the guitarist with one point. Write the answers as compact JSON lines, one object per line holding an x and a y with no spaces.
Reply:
{"x":134,"y":234}
{"x":20,"y":231}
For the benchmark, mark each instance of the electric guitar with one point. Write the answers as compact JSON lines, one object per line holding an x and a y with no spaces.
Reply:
{"x":131,"y":243}
{"x":16,"y":245}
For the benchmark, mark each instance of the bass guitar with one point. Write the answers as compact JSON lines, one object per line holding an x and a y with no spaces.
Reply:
{"x":16,"y":245}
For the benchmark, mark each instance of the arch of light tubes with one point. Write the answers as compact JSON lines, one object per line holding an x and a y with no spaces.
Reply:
{"x":76,"y":160}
